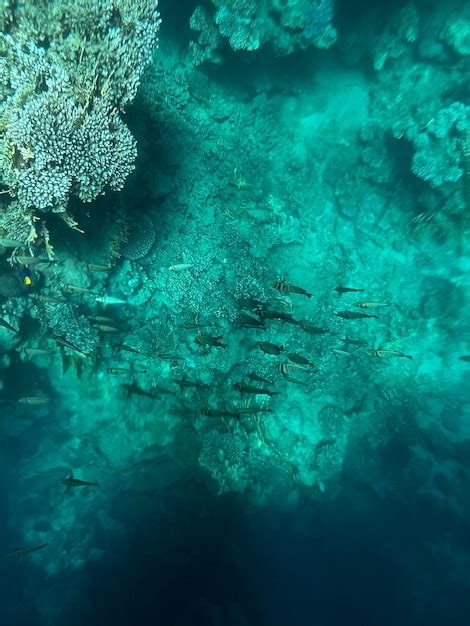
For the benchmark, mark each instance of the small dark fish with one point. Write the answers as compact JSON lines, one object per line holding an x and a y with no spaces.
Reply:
{"x":353,"y":342}
{"x":298,"y":359}
{"x":164,"y":356}
{"x":131,"y":349}
{"x":284,"y":287}
{"x":137,"y":391}
{"x":210,"y":340}
{"x":259,"y":379}
{"x":347,"y":290}
{"x":242,"y":388}
{"x":248,"y":321}
{"x":184,"y":383}
{"x":161,"y":390}
{"x":353,"y":315}
{"x":270,"y":348}
{"x":219,"y":413}
{"x":313,"y":330}
{"x":250,"y":303}
{"x":8,"y":326}
{"x":465,"y":357}
{"x":18,"y":553}
{"x":68,"y":344}
{"x":71,"y":483}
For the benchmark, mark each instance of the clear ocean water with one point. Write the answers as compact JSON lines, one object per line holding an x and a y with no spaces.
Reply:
{"x":234,"y":313}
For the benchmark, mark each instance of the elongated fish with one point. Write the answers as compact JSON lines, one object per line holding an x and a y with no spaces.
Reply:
{"x":341,"y":289}
{"x":71,"y":483}
{"x":370,"y":305}
{"x":243,"y":388}
{"x":353,"y":315}
{"x":18,"y":553}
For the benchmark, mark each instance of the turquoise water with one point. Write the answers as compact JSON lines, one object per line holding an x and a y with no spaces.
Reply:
{"x":234,"y":348}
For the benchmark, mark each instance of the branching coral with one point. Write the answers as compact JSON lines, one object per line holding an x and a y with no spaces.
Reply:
{"x":250,"y":24}
{"x":66,"y":71}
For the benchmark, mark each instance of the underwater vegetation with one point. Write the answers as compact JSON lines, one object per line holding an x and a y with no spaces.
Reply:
{"x":234,"y":263}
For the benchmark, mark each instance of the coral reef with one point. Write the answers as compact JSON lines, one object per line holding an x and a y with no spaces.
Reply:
{"x":67,"y":71}
{"x":252,"y":24}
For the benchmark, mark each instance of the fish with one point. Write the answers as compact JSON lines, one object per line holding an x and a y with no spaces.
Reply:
{"x":251,"y":303}
{"x":465,"y":357}
{"x":184,"y":383}
{"x":219,"y":413}
{"x":131,"y":349}
{"x":18,"y":553}
{"x":31,"y":260}
{"x":156,"y":390}
{"x":277,"y":315}
{"x":339,"y":352}
{"x":164,"y":356}
{"x":12,"y":243}
{"x":102,"y":319}
{"x":77,"y":289}
{"x":68,"y":344}
{"x":270,"y":348}
{"x":70,"y":483}
{"x":341,"y":289}
{"x":258,"y":379}
{"x":298,"y":359}
{"x":381,"y":353}
{"x":34,"y":400}
{"x":313,"y":330}
{"x":287,"y":368}
{"x":353,"y":342}
{"x":370,"y":305}
{"x":98,"y":267}
{"x":248,"y":321}
{"x":126,"y":370}
{"x":106,"y":328}
{"x":243,"y":388}
{"x":284,"y":287}
{"x":119,"y":370}
{"x":34,"y":351}
{"x":8,"y":326}
{"x":353,"y":315}
{"x":137,"y":391}
{"x":180,"y":267}
{"x":110,"y":300}
{"x":210,"y":340}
